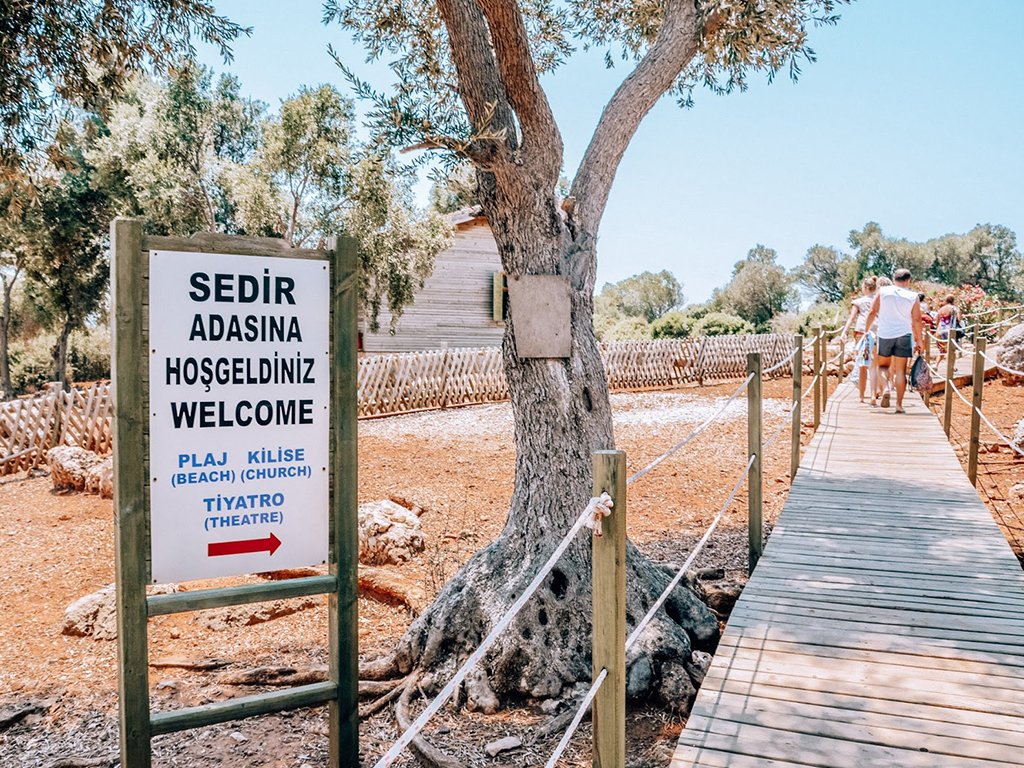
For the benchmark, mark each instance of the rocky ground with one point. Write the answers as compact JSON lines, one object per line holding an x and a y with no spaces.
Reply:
{"x":57,"y":692}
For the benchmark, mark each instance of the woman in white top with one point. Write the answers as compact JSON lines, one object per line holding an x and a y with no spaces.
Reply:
{"x":864,"y":338}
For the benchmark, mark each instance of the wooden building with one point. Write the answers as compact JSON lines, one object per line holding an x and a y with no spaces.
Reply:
{"x":460,"y":304}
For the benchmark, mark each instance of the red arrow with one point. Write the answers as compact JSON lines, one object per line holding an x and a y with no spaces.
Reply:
{"x":243,"y":547}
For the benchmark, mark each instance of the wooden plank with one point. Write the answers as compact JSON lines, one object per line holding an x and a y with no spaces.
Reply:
{"x":196,"y":600}
{"x":244,"y":706}
{"x":130,"y":512}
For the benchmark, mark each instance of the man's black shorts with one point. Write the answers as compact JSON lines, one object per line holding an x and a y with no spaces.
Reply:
{"x":901,"y":346}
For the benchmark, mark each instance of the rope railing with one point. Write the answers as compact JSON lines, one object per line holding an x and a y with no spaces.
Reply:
{"x":696,"y":431}
{"x":985,"y":419}
{"x":1001,"y":367}
{"x":782,"y":362}
{"x":993,"y":309}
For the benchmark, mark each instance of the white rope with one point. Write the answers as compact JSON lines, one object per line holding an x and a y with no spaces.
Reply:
{"x":778,"y":431}
{"x":989,"y":326}
{"x":1002,"y":437}
{"x":577,"y":719}
{"x":811,"y":385}
{"x":994,"y":309}
{"x":779,"y":364}
{"x":692,"y":434}
{"x":1002,"y":367}
{"x":693,"y":555}
{"x":958,"y":394}
{"x":990,"y":425}
{"x":439,"y":701}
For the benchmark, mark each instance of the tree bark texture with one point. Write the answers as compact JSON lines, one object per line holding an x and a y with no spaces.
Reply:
{"x":60,"y":354}
{"x":560,"y":406}
{"x":5,"y":340}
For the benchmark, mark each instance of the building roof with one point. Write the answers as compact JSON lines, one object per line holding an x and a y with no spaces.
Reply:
{"x":469,"y":215}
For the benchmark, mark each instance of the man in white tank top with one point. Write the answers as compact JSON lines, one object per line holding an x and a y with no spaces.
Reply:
{"x":900,"y":333}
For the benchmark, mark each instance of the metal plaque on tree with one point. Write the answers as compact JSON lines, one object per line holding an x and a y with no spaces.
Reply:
{"x":540,"y":306}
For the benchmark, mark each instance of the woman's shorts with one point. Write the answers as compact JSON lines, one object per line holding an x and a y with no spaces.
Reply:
{"x":901,"y":346}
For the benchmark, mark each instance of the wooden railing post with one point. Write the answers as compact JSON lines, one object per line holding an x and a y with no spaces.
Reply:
{"x":131,"y":521}
{"x":979,"y":386}
{"x":609,"y":614}
{"x":823,"y":381}
{"x":798,"y":370}
{"x":817,"y":372}
{"x":343,"y":557}
{"x":755,"y":533}
{"x":841,"y":364}
{"x":947,"y":405}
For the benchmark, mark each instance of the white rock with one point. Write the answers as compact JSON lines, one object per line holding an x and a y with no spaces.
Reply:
{"x":1011,"y":349}
{"x":503,"y":745}
{"x":71,"y":465}
{"x":388,"y":533}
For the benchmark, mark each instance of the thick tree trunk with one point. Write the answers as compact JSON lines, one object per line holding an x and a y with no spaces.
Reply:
{"x":561,"y":415}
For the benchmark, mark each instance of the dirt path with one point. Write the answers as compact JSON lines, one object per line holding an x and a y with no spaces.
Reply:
{"x":457,"y":465}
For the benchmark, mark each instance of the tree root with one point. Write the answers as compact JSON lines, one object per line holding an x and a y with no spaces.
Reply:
{"x":375,"y":706}
{"x":382,"y":668}
{"x":85,"y":762}
{"x":423,"y":748}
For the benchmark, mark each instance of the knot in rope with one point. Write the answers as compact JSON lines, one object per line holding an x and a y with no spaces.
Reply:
{"x":598,"y":508}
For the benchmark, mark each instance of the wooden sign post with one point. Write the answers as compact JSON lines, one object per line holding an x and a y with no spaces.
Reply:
{"x":234,"y":370}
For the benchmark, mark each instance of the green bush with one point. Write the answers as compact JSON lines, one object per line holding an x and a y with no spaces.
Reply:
{"x":89,"y":354}
{"x":32,"y":362}
{"x":825,"y":315}
{"x":721,"y":324}
{"x":628,"y":329}
{"x":673,"y":325}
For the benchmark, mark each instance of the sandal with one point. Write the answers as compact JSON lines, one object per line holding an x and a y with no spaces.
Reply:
{"x":886,"y":399}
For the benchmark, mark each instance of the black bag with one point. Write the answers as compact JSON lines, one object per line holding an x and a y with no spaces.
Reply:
{"x":920,"y":375}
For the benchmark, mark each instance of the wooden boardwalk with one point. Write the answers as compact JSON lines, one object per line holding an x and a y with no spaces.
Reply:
{"x":884,"y":625}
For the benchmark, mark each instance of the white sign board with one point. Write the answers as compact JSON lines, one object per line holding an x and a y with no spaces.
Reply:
{"x":239,"y":395}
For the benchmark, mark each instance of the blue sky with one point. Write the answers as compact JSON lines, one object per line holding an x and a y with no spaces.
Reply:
{"x":912,"y":117}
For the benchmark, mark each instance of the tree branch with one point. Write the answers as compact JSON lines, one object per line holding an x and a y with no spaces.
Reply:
{"x":480,"y":84}
{"x":515,"y":63}
{"x":675,"y":46}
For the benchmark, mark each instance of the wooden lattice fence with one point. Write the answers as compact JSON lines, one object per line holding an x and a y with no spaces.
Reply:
{"x":399,"y":383}
{"x":31,"y":426}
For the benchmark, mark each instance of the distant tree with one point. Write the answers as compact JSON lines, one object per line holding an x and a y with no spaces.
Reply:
{"x":178,"y":154}
{"x":66,"y":248}
{"x":877,"y":254}
{"x":759,"y":289}
{"x":648,"y":295}
{"x":397,"y":244}
{"x":13,"y":259}
{"x":1000,"y":264}
{"x":57,"y":54}
{"x":829,"y":274}
{"x":454,"y":190}
{"x":307,"y":151}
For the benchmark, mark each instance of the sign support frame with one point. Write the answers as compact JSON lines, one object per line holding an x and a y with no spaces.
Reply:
{"x":129,"y":267}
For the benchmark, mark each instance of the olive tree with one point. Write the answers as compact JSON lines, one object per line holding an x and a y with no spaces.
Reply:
{"x":468,"y":85}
